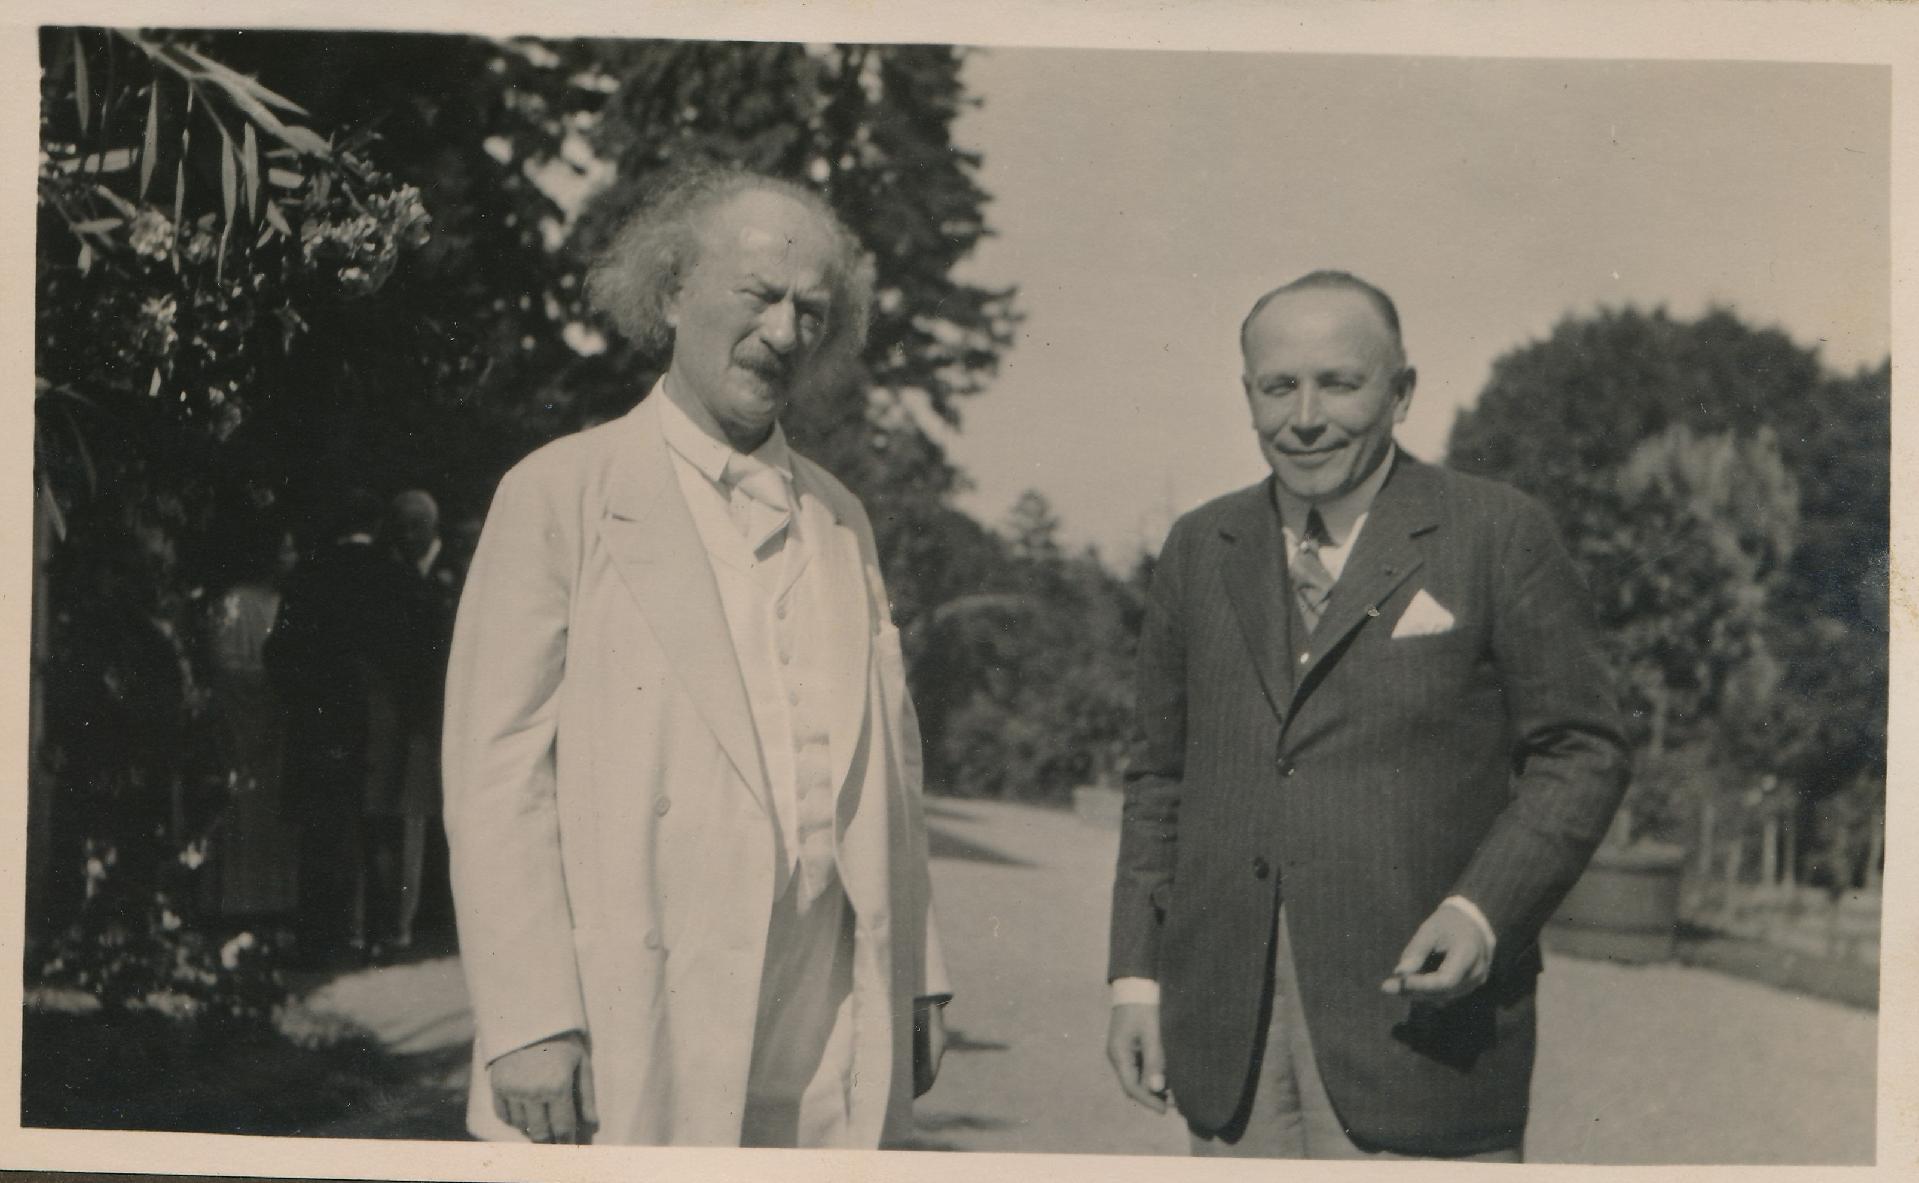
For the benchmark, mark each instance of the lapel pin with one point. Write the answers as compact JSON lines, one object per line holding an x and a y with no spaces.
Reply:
{"x":1372,"y":609}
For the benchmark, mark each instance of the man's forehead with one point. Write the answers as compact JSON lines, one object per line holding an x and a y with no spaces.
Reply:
{"x":764,"y":228}
{"x":1329,"y":315}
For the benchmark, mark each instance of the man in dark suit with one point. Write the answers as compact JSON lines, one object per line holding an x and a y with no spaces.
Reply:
{"x":1378,"y":745}
{"x":409,"y":839}
{"x":332,"y":657}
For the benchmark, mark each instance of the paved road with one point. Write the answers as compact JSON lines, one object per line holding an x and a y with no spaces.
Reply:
{"x":1637,"y":1065}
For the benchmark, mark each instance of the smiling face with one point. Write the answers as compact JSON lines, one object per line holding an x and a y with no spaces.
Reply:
{"x":752,"y":314}
{"x":1326,"y":380}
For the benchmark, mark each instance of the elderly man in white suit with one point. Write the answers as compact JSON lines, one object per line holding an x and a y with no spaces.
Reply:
{"x":682,"y":771}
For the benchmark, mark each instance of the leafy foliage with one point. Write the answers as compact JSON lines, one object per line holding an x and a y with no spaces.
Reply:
{"x":1027,"y":688}
{"x":167,"y":321}
{"x":273,"y":267}
{"x":1685,"y":550}
{"x":1728,"y":500}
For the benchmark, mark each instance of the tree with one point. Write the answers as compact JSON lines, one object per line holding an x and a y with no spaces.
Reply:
{"x":1562,"y":418}
{"x":1833,"y":629}
{"x":1684,"y":549}
{"x":191,"y":230}
{"x":276,"y":265}
{"x":1035,"y":693}
{"x":1556,"y":412}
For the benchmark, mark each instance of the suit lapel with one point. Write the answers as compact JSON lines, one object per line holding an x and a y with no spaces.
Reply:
{"x":845,"y":615}
{"x":1386,"y":555}
{"x":1254,"y":574}
{"x":656,"y":547}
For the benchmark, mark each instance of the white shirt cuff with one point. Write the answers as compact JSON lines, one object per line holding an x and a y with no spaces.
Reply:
{"x":1132,"y":991}
{"x":1479,"y":918}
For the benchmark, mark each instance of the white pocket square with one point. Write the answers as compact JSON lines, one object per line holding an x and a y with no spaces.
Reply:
{"x":1424,"y":617}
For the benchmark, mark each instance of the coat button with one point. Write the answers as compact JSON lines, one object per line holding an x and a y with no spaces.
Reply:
{"x":661,"y":804}
{"x":652,"y":939}
{"x":1261,"y":868}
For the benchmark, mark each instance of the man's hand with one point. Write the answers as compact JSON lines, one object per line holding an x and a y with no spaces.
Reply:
{"x":1450,"y":937}
{"x":1132,"y":1044}
{"x":929,"y":1045}
{"x":545,"y":1090}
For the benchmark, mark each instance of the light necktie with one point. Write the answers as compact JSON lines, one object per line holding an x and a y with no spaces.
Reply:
{"x":1312,"y":582}
{"x":757,"y":499}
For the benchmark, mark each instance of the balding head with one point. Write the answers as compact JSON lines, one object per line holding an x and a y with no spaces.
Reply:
{"x":1382,"y":303}
{"x":413,"y":518}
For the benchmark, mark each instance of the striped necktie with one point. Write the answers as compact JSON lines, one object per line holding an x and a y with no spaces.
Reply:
{"x":1312,"y":582}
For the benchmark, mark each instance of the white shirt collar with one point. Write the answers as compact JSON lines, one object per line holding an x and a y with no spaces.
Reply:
{"x":709,"y":455}
{"x":1342,"y":514}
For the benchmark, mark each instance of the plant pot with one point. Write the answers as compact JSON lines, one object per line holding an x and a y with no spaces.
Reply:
{"x":1625,"y":907}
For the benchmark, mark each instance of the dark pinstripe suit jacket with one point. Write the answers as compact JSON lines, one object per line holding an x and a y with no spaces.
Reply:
{"x":1364,"y":783}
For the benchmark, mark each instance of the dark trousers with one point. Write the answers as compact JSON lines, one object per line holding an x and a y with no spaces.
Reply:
{"x":330,"y":918}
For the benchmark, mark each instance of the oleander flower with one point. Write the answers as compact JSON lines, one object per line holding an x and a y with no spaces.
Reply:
{"x":151,"y":234}
{"x":231,"y":952}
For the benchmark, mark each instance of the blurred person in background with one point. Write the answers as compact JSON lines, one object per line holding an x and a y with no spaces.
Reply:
{"x":254,"y":848}
{"x":409,"y":839}
{"x":332,"y":658}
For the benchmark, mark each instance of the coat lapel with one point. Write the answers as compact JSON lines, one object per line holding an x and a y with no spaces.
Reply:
{"x":1254,"y":574}
{"x":845,"y":613}
{"x":1386,"y":555}
{"x":656,"y":546}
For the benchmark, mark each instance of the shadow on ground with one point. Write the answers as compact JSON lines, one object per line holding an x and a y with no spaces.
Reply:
{"x":927,"y":1131}
{"x":942,"y":843}
{"x":942,"y":840}
{"x":147,"y":1072}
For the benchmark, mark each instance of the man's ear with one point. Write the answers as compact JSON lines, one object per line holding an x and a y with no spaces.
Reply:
{"x":1403,"y":384}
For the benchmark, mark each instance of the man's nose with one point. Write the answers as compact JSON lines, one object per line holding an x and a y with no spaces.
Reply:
{"x":779,"y":326}
{"x":1309,"y":421}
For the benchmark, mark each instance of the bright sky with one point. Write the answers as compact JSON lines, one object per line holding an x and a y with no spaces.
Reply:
{"x":1143,"y":200}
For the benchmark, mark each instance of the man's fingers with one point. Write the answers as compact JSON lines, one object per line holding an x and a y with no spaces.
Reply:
{"x":562,"y":1122}
{"x":1425,"y":942}
{"x":500,"y":1108}
{"x":1133,"y":1047}
{"x":1152,"y":1065}
{"x":589,"y":1104}
{"x":539,"y":1124}
{"x":1429,"y":940}
{"x":519,"y":1114}
{"x":1135,"y":1089}
{"x":1443,"y":980}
